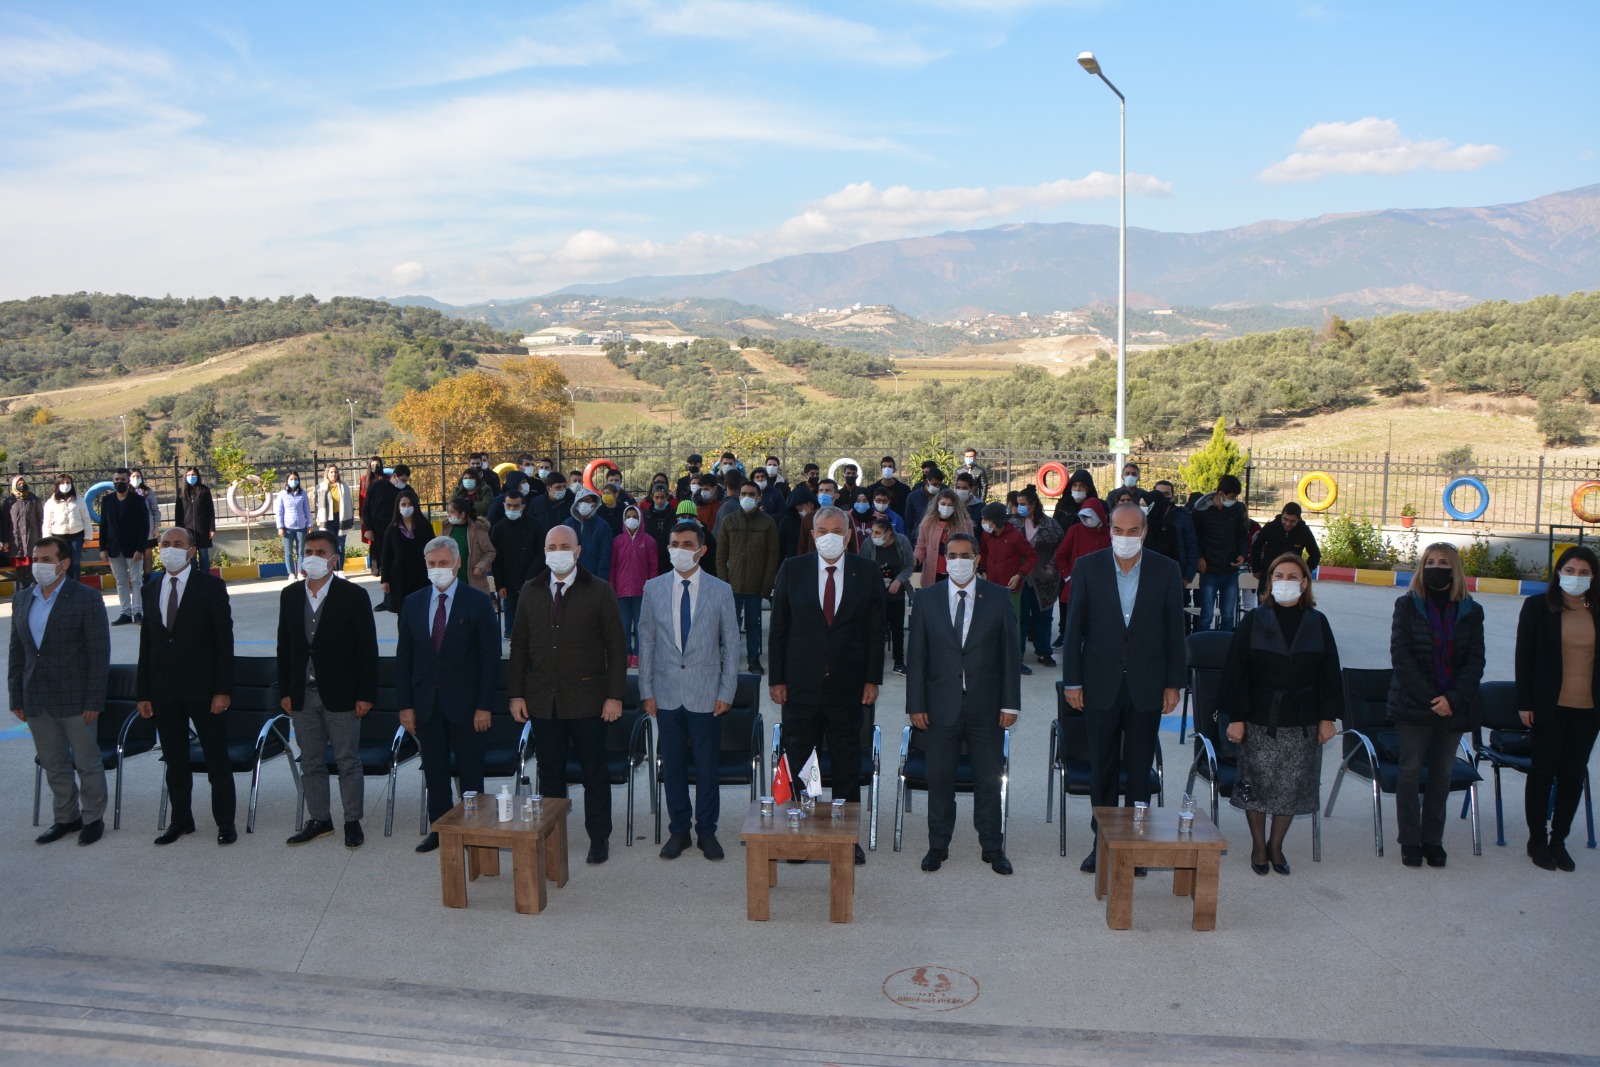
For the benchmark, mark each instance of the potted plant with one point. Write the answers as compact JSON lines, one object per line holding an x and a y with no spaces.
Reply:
{"x":1408,"y":515}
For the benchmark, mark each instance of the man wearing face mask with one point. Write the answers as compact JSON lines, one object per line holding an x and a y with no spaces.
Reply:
{"x":690,"y":480}
{"x":124,"y":529}
{"x":373,"y":476}
{"x":796,"y":519}
{"x":775,"y":478}
{"x":898,"y":490}
{"x":518,"y":540}
{"x":732,"y":482}
{"x":1130,"y":481}
{"x":487,"y":478}
{"x":969,"y":497}
{"x":594,"y":534}
{"x":747,"y":560}
{"x":568,"y":674}
{"x":1123,"y":661}
{"x":377,"y":512}
{"x":614,"y":499}
{"x":554,"y":507}
{"x":980,"y":476}
{"x":891,"y":554}
{"x":964,"y":687}
{"x":688,"y":671}
{"x":185,"y":680}
{"x":447,"y":661}
{"x":826,"y":650}
{"x":1287,"y":532}
{"x":328,"y":678}
{"x":917,"y":503}
{"x":773,"y":493}
{"x":1222,"y":527}
{"x":60,"y":656}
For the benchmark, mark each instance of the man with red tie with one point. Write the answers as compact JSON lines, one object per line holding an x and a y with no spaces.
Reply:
{"x":826,"y":651}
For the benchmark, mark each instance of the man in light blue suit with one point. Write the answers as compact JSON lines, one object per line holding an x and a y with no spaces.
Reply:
{"x":688,"y":670}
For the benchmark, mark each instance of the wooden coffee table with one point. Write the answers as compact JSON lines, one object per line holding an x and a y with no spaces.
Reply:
{"x":821,"y":837}
{"x":1124,"y":844}
{"x":538,"y":851}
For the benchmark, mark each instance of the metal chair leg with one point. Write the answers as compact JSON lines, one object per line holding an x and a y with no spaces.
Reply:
{"x":1338,"y":780}
{"x":1477,"y":833}
{"x":116,"y":812}
{"x":1499,"y":812}
{"x":1377,"y":817}
{"x":899,"y":812}
{"x":872,"y":831}
{"x":255,"y":793}
{"x":388,"y":805}
{"x":1061,"y":802}
{"x":1050,"y":775}
{"x":630,"y":807}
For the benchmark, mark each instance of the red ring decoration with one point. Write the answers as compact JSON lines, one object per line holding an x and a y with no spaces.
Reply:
{"x":594,"y":465}
{"x":1577,"y":502}
{"x":1056,"y":469}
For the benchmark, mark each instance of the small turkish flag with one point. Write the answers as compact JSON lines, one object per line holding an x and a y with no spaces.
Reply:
{"x":782,"y":790}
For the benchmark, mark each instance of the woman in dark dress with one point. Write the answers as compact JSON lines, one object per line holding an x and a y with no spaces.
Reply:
{"x":404,"y":571}
{"x":1281,"y":688}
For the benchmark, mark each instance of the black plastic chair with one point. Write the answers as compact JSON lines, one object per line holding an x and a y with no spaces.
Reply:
{"x":1510,"y":745}
{"x":630,"y":742}
{"x":1206,"y":650}
{"x":1068,"y":771}
{"x":120,"y":733}
{"x":914,"y":776}
{"x":257,"y":732}
{"x":871,"y":764}
{"x":1372,"y":751}
{"x":742,"y":760}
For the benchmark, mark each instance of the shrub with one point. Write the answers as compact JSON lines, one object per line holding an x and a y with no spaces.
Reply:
{"x":1348,"y":541}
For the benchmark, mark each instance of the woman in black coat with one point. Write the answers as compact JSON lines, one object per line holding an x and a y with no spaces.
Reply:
{"x":1558,"y":690}
{"x":404,"y":569}
{"x":1436,"y":647}
{"x":1282,"y":689}
{"x":194,"y":510}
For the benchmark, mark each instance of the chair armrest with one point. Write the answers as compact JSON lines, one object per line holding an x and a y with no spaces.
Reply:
{"x":638,"y":743}
{"x":523,"y":739}
{"x":266,"y":728}
{"x":777,"y":742}
{"x":1466,"y":751}
{"x":905,"y":744}
{"x":1055,"y":743}
{"x":877,"y":748}
{"x":1005,"y":752}
{"x":398,"y":740}
{"x":1366,"y":743}
{"x":1209,"y":751}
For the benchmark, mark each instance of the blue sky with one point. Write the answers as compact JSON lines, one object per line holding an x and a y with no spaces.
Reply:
{"x":498,"y":150}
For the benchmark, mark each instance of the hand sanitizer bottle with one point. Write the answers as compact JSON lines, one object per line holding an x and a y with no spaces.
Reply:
{"x":505,"y":803}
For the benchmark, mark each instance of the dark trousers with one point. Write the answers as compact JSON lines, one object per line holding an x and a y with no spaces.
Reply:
{"x":894,"y":619}
{"x":1421,"y":815}
{"x":1122,"y":740}
{"x":508,"y":605}
{"x":1035,"y":622}
{"x":1561,"y":742}
{"x":551,"y":739}
{"x":688,"y":739}
{"x":748,"y":607}
{"x":942,"y":745}
{"x":805,"y":726}
{"x":438,"y":739}
{"x":172,"y":728}
{"x":630,"y":608}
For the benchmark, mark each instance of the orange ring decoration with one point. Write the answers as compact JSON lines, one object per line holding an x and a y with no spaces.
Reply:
{"x":1056,"y":469}
{"x":1577,"y":502}
{"x":594,"y":465}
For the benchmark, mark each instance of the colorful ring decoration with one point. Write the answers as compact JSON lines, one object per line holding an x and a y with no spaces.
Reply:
{"x":1577,"y":502}
{"x":594,"y":465}
{"x":833,"y":471}
{"x":1317,"y":478}
{"x":1483,"y":499}
{"x":1040,"y":481}
{"x":503,"y":469}
{"x":242,"y":511}
{"x":96,"y":491}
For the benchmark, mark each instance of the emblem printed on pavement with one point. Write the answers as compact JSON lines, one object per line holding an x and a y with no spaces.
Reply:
{"x":931,"y":988}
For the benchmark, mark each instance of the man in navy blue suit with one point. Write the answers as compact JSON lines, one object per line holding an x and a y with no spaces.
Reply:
{"x":447,"y":663}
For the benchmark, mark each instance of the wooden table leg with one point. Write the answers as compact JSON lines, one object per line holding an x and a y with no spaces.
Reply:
{"x":555,"y":854}
{"x":1207,"y":864}
{"x":772,"y":872}
{"x":1183,"y":881}
{"x":1102,"y":866}
{"x":527,"y":873}
{"x":482,"y":860}
{"x":452,"y":872}
{"x":1119,"y":905}
{"x":841,"y":883}
{"x":757,"y":904}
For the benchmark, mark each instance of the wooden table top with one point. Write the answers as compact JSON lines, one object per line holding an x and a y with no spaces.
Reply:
{"x":484,"y":826}
{"x":820,"y":828}
{"x":1161,"y":829}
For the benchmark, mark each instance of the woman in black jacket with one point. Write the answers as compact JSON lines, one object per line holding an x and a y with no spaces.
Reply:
{"x":193,"y":509}
{"x":1282,"y":689}
{"x":404,"y":569}
{"x":1558,"y":690}
{"x":1080,"y":487}
{"x":1436,"y":648}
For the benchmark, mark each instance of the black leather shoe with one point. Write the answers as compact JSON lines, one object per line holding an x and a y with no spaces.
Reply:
{"x":1411,"y":856}
{"x":899,"y":667}
{"x":599,"y":852}
{"x":313,"y":829}
{"x":861,"y":857}
{"x":1047,"y":660}
{"x":675,"y":845}
{"x":1282,"y":866}
{"x":354,"y":838}
{"x":1540,"y":853}
{"x":1087,"y":866}
{"x":429,"y":843}
{"x":175,"y":831}
{"x":711,"y":847}
{"x":1559,"y":853}
{"x":997,"y":861}
{"x":227,"y":835}
{"x":92,"y":832}
{"x":1026,"y":669}
{"x":122,"y":620}
{"x":754,"y":667}
{"x":58,"y":830}
{"x":1259,"y":868}
{"x":1435,"y":855}
{"x":935,"y":859}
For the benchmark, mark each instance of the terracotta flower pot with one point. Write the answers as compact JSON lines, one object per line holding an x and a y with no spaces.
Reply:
{"x":1407,"y":520}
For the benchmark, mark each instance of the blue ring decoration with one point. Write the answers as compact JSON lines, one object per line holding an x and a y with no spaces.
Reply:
{"x":1483,"y":499}
{"x":96,"y":491}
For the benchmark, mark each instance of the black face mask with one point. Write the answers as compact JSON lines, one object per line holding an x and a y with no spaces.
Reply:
{"x":1438,"y":579}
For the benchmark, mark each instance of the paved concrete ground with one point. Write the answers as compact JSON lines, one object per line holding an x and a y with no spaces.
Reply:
{"x":1489,"y":953}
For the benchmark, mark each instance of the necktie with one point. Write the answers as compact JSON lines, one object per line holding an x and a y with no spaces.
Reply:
{"x":172,"y":605}
{"x":438,"y":625}
{"x":683,"y":618}
{"x":961,"y":616}
{"x":555,"y":605}
{"x":829,"y":598}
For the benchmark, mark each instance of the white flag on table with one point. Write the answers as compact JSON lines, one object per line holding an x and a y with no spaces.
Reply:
{"x":811,"y":776}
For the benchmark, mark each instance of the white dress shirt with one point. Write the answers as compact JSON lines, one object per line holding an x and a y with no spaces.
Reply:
{"x":838,"y":581}
{"x":971,"y":589}
{"x":677,"y":600}
{"x":562,"y":585}
{"x":316,"y":598}
{"x":166,"y":589}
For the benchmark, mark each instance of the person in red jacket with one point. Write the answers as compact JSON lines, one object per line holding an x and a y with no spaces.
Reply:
{"x":635,"y":559}
{"x":1007,"y":555}
{"x":1088,"y":534}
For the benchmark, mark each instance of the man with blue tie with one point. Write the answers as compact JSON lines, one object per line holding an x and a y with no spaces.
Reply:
{"x":447,"y":660}
{"x":688,"y":670}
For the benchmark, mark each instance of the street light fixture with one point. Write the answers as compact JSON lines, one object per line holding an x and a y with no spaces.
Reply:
{"x":896,"y":374}
{"x":1089,"y":63}
{"x":124,"y":419}
{"x":743,"y":381}
{"x":573,"y":397}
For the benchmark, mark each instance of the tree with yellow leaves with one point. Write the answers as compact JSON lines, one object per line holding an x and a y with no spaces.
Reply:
{"x":485,"y":410}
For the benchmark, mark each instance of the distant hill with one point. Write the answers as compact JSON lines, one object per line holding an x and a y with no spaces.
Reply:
{"x":1361,"y":263}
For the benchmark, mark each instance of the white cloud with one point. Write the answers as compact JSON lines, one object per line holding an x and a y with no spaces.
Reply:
{"x":1373,"y":146}
{"x":408,"y":274}
{"x":787,"y":26}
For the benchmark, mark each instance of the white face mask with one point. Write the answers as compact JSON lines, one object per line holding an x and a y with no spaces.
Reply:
{"x":401,"y":484}
{"x":631,"y":523}
{"x":880,"y":506}
{"x":455,"y":520}
{"x":1229,"y":502}
{"x":933,"y":490}
{"x":407,"y":512}
{"x":1130,"y":480}
{"x":946,"y":510}
{"x":173,"y":560}
{"x":1126,"y":547}
{"x":441,"y":577}
{"x":1146,"y":506}
{"x":961,"y":570}
{"x":1571,"y":584}
{"x":879,"y":540}
{"x":1285,"y":592}
{"x":46,"y":573}
{"x":748,"y":503}
{"x":530,"y":471}
{"x":972,"y":461}
{"x":1080,"y":494}
{"x":761,"y":484}
{"x":830,"y":546}
{"x":988,"y":527}
{"x":683,"y":559}
{"x":888,"y":472}
{"x":65,"y":487}
{"x":963,"y":495}
{"x":316,"y":567}
{"x":585,"y":508}
{"x":772,"y":470}
{"x":558,"y":493}
{"x":1089,"y":519}
{"x":561,"y":561}
{"x":514,"y":515}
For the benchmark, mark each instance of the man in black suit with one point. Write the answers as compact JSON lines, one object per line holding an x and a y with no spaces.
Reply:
{"x":186,"y":676}
{"x":328,"y":675}
{"x":826,"y":651}
{"x":1123,"y":657}
{"x":964,"y":684}
{"x":377,"y":513}
{"x":447,"y":661}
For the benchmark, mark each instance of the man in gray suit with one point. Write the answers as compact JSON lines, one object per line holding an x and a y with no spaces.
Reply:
{"x":688,"y":670}
{"x":60,"y":657}
{"x":964,"y":684}
{"x":1122,"y":660}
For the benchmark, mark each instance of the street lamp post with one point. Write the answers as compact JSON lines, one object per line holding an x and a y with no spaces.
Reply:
{"x":1087,"y":61}
{"x":896,"y":374}
{"x":352,"y":404}
{"x":124,"y":419}
{"x":573,"y":397}
{"x":745,"y":382}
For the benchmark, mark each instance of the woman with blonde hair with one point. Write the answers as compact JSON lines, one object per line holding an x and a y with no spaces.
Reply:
{"x":1436,"y":649}
{"x":1282,"y":691}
